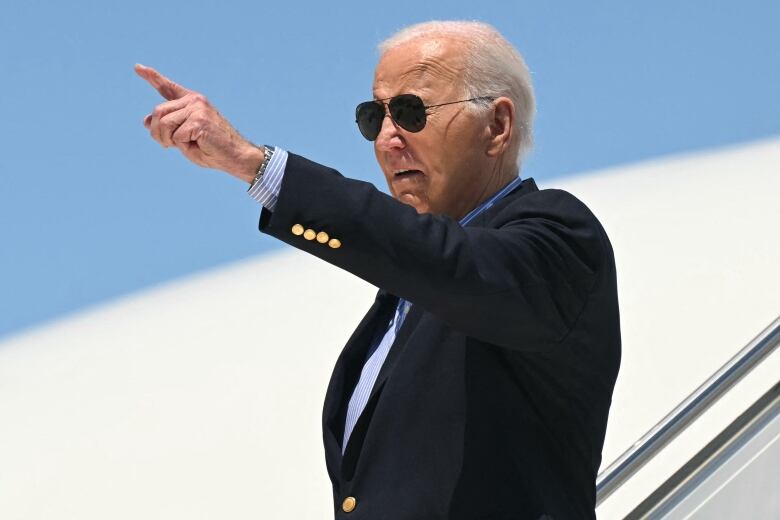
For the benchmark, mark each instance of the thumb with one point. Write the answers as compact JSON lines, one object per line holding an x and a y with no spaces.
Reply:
{"x":167,"y":88}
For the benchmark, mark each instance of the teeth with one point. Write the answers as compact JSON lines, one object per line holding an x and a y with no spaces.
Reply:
{"x":404,"y":171}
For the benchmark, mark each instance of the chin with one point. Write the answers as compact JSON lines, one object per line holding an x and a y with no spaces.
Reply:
{"x":418,"y":205}
{"x":410,"y":199}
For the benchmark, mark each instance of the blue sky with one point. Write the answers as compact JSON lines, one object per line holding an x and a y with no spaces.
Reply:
{"x":91,"y":208}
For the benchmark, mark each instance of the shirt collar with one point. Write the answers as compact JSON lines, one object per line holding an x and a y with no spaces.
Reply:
{"x":500,"y":194}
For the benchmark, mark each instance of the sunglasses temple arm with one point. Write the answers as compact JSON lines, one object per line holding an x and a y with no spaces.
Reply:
{"x":461,"y":101}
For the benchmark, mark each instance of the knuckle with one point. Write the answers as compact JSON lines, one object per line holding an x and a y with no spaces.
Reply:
{"x":199,"y":118}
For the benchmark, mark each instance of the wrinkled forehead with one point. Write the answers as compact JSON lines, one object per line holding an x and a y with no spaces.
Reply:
{"x":423,"y":64}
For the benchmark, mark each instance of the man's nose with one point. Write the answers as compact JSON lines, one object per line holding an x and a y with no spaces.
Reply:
{"x":389,"y":137}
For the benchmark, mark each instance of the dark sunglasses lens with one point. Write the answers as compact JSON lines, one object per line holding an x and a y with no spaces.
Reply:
{"x":408,"y":111}
{"x":369,"y":116}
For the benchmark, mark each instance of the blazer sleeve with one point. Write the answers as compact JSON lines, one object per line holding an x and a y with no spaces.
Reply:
{"x":522,"y":283}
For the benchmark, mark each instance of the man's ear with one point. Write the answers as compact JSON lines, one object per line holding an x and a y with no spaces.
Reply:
{"x":501,"y":126}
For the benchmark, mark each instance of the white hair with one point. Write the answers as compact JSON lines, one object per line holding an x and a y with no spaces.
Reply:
{"x":493,"y":67}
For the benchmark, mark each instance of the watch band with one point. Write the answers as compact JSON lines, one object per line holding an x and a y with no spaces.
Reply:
{"x":268,"y":152}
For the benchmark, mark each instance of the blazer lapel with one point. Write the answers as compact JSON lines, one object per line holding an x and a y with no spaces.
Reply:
{"x":351,"y":453}
{"x":346,"y":373}
{"x":399,"y":344}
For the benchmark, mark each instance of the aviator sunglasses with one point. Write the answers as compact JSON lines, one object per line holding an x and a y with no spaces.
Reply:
{"x":407,"y":110}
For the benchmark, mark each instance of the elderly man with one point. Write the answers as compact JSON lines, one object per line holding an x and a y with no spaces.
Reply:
{"x":479,"y":382}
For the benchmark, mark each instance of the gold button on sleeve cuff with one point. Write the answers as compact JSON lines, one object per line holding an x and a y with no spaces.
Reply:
{"x":335,"y":243}
{"x":309,"y":234}
{"x":322,"y":237}
{"x":349,"y":504}
{"x":297,"y":229}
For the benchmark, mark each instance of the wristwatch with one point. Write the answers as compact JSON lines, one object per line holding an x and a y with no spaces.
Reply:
{"x":268,"y":152}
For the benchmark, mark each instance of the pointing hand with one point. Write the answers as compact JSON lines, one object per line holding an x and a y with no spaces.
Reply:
{"x":190,"y":123}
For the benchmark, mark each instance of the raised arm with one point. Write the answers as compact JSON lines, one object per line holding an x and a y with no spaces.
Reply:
{"x":521,"y":284}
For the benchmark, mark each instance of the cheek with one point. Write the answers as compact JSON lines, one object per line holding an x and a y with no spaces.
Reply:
{"x":441,"y":181}
{"x":388,"y":177}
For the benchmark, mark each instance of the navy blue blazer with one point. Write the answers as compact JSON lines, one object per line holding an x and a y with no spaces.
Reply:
{"x":493,"y":400}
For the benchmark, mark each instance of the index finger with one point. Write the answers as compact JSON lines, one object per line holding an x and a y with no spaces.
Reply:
{"x":167,"y":88}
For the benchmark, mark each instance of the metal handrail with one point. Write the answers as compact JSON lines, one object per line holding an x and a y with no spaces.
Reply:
{"x":694,"y":405}
{"x":736,"y":437}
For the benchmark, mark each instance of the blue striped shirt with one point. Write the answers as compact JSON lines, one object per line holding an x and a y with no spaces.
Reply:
{"x":266,"y":192}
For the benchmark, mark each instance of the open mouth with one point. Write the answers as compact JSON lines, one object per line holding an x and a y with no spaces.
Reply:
{"x":400,"y":174}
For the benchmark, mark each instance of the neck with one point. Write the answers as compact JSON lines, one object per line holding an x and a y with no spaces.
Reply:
{"x":495,"y":182}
